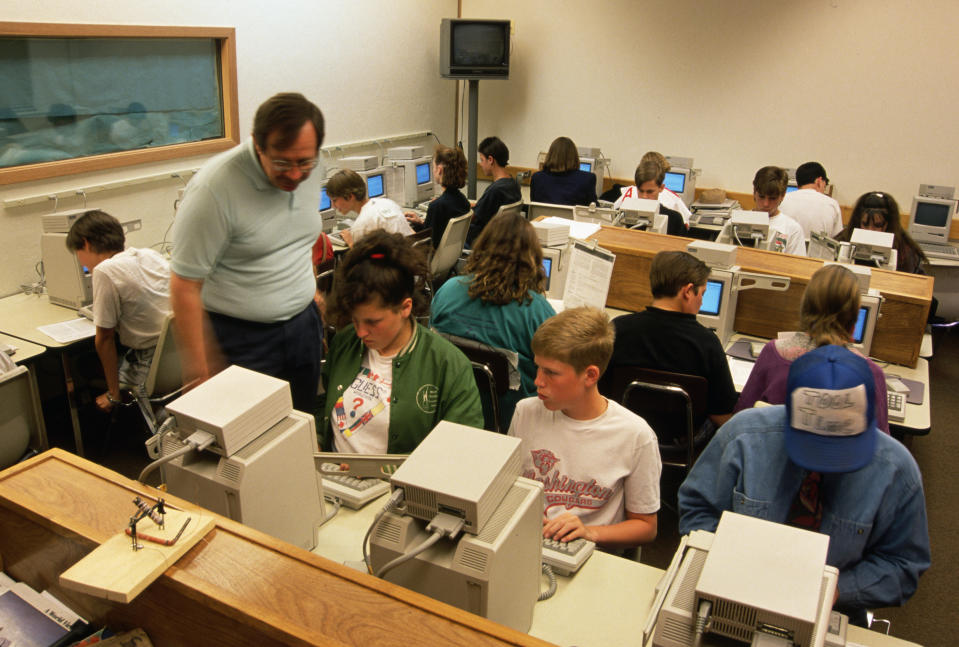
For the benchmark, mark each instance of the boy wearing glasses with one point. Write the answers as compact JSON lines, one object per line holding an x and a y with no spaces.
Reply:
{"x":242,"y":286}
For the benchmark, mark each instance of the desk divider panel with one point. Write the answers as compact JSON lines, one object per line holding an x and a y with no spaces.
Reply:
{"x":765,"y":313}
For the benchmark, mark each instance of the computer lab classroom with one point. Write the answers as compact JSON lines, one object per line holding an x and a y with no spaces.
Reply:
{"x":863,"y":87}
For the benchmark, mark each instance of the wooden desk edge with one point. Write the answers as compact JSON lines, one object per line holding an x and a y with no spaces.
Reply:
{"x":179,"y":576}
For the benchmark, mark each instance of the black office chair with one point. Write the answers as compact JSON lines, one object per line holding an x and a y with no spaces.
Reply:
{"x":491,"y":371}
{"x":673,"y":404}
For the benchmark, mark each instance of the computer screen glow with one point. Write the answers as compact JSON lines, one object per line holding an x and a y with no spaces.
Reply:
{"x":374,"y":185}
{"x":324,"y":200}
{"x":675,"y":182}
{"x":423,"y":173}
{"x":712,"y":298}
{"x":586,"y":166}
{"x":790,"y":189}
{"x":860,"y":328}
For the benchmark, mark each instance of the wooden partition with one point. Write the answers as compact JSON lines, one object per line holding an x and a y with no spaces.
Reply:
{"x":237,"y":587}
{"x":765,"y":313}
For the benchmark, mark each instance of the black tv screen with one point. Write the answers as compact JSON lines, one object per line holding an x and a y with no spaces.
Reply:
{"x":474,"y":49}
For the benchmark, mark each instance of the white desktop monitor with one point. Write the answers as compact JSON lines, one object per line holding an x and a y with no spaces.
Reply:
{"x":68,"y":282}
{"x":327,"y":212}
{"x":555,"y":270}
{"x":682,"y":182}
{"x":411,"y":181}
{"x":546,"y":209}
{"x":931,"y":218}
{"x":866,"y":323}
{"x":874,"y":248}
{"x":375,"y":182}
{"x":718,"y":309}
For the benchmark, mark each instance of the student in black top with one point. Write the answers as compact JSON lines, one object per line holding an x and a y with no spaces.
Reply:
{"x":493,"y":158}
{"x":561,"y":181}
{"x":650,"y":182}
{"x":667,"y":337}
{"x":449,"y":169}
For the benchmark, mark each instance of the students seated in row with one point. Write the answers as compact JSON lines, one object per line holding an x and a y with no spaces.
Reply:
{"x":561,"y":181}
{"x":878,"y":211}
{"x":449,"y":169}
{"x":827,"y":315}
{"x":388,"y":380}
{"x":131,"y":298}
{"x":769,"y":189}
{"x":500,"y":301}
{"x":666,"y":197}
{"x":820,"y":463}
{"x":809,"y":205}
{"x":666,"y":336}
{"x":493,"y":158}
{"x":650,"y":178}
{"x":598,"y":462}
{"x":347,"y":192}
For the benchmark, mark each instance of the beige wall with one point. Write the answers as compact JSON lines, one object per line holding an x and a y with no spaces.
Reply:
{"x":333,"y":52}
{"x":864,"y":86}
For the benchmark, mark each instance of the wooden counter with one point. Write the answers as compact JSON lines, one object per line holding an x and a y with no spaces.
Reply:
{"x":237,"y":587}
{"x":765,"y":313}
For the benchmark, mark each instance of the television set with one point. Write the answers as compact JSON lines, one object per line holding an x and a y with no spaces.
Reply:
{"x":474,"y":49}
{"x":931,"y":218}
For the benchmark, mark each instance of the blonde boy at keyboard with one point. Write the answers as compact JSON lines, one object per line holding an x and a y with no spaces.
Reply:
{"x":598,"y":462}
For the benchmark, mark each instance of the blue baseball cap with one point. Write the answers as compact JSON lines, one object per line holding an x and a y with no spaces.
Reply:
{"x":830,"y":411}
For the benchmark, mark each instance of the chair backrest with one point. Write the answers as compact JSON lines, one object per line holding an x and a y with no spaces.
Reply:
{"x":491,"y":372}
{"x":451,"y":245}
{"x":515,"y":207}
{"x":674,"y":405}
{"x":20,"y":418}
{"x":165,"y":374}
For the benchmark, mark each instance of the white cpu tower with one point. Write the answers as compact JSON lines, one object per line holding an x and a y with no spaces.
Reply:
{"x":270,"y":484}
{"x":67,"y":282}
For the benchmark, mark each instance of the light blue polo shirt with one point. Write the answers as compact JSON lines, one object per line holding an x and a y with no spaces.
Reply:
{"x":248,"y":241}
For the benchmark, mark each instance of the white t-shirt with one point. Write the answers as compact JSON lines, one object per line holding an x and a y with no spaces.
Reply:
{"x":380,"y":213}
{"x":666,"y":198}
{"x":361,"y":416}
{"x":596,"y":469}
{"x":786,"y":235}
{"x":814,"y":211}
{"x":131,"y":292}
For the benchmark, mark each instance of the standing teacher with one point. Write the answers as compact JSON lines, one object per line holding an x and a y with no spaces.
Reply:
{"x":242,"y":286}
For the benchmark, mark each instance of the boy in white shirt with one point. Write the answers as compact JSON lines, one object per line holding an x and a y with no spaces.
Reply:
{"x":598,"y":462}
{"x":347,"y":192}
{"x":810,"y":206}
{"x":131,"y":297}
{"x":769,"y":189}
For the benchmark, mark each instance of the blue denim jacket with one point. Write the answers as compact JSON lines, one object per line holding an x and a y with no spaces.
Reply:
{"x":875,"y":517}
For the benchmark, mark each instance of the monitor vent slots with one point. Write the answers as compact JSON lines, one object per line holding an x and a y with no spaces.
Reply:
{"x":229,"y":471}
{"x":511,"y":503}
{"x":388,"y":529}
{"x":474,"y":559}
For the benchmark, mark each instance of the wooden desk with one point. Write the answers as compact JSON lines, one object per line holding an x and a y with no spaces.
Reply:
{"x":764,"y":313}
{"x":238,"y":587}
{"x":20,"y":315}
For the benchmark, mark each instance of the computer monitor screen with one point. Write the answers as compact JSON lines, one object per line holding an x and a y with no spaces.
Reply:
{"x":675,"y":182}
{"x":479,"y":44}
{"x":586,"y":166}
{"x":374,"y":185}
{"x":790,"y":188}
{"x":860,"y":328}
{"x":712,"y":298}
{"x":548,"y":268}
{"x":423,"y":173}
{"x":932,"y":214}
{"x":325,"y":200}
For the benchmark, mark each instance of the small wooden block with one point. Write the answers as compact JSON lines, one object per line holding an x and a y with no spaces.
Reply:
{"x":116,"y":572}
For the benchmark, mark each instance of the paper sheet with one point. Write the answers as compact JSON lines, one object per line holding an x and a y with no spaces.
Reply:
{"x":69,"y":331}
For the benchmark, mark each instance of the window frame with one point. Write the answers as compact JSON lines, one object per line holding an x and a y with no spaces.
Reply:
{"x":225,"y":38}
